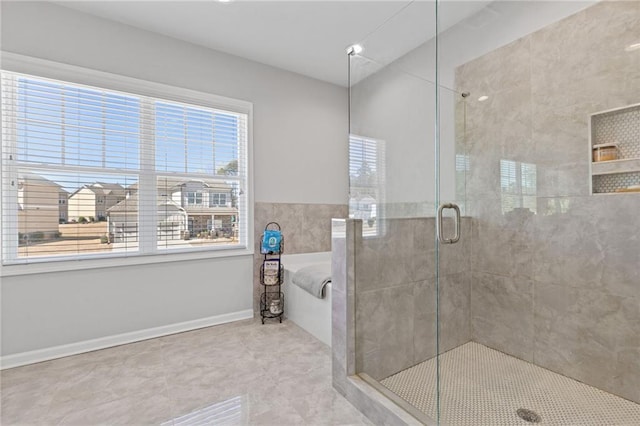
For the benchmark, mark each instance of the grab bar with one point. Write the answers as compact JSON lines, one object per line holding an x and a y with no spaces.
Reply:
{"x":456,"y":237}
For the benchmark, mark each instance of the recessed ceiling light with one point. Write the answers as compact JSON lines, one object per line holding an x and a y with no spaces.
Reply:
{"x":225,"y":1}
{"x":355,"y":49}
{"x":483,"y":98}
{"x":631,"y":47}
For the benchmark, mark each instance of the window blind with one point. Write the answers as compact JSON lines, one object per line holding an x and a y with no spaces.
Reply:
{"x":518,"y":186}
{"x":91,"y":172}
{"x":366,"y":181}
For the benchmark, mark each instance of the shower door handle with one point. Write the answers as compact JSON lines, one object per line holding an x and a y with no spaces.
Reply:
{"x":456,"y":237}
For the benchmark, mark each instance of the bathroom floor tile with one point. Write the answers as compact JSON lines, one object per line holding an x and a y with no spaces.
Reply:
{"x":241,"y":373}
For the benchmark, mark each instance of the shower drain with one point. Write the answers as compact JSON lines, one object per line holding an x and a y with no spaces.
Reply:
{"x":529,"y":415}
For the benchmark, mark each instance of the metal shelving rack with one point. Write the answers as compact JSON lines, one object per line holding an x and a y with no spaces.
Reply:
{"x":272,"y":297}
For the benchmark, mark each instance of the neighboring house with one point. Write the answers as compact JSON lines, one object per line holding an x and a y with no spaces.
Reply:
{"x":123,"y":220}
{"x":94,"y":200}
{"x":209,"y":205}
{"x":38,"y":206}
{"x":193,"y":206}
{"x":63,"y":206}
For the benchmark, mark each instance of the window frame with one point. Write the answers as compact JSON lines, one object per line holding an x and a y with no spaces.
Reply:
{"x":44,"y":69}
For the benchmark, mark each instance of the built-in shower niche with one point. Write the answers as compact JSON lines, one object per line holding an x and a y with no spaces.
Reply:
{"x":620,"y":170}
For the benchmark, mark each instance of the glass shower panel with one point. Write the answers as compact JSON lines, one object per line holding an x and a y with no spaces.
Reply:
{"x":393,"y":191}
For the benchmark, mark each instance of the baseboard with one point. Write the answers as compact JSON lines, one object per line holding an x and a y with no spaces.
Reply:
{"x":31,"y":357}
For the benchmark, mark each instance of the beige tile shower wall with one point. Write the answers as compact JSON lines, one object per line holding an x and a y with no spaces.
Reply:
{"x":306,"y":229}
{"x":396,"y":295}
{"x":560,"y":287}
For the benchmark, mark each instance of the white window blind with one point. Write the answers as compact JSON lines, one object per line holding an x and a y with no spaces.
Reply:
{"x":366,"y":182}
{"x":518,"y":183}
{"x":90,"y":172}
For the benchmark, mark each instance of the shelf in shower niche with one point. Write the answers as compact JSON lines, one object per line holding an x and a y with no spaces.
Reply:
{"x":628,"y":165}
{"x":615,"y":135}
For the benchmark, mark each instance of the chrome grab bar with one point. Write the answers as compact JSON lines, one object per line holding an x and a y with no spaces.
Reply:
{"x":456,"y":237}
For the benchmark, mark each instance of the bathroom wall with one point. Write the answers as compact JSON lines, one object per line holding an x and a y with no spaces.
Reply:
{"x":561,"y":287}
{"x":395,"y":295}
{"x":299,"y":128}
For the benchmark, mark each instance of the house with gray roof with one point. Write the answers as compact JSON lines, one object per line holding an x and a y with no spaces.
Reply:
{"x":185,"y":208}
{"x":93,"y":200}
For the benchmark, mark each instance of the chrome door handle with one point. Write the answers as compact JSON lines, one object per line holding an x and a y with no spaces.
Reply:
{"x":456,"y":237}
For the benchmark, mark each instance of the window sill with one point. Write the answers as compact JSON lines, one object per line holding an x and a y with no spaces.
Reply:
{"x":46,"y":267}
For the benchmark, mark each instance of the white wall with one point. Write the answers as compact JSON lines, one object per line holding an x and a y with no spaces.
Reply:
{"x":300,"y":156}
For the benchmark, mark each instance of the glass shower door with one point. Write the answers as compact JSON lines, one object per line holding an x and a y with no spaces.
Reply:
{"x":538,"y":300}
{"x":392,"y":122}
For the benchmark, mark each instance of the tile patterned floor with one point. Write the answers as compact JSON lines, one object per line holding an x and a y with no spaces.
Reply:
{"x":484,"y":387}
{"x":238,"y":373}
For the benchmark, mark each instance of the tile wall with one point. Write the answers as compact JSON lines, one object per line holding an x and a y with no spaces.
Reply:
{"x":395,"y":295}
{"x":561,"y":287}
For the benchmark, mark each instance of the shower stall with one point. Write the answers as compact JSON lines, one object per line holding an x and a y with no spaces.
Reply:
{"x":489,"y":273}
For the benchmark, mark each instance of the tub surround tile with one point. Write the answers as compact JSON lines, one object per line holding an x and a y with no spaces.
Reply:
{"x":306,"y":229}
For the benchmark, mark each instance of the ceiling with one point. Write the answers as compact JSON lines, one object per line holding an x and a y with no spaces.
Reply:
{"x":306,"y":37}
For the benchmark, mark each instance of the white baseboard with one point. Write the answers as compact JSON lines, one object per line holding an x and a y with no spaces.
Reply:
{"x":31,"y":357}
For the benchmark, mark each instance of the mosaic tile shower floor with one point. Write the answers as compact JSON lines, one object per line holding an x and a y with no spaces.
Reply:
{"x":484,"y":387}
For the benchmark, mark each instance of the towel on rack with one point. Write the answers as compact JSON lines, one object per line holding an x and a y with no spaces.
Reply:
{"x":271,"y":241}
{"x":313,"y":279}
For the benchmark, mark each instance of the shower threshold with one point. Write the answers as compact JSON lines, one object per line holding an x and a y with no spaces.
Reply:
{"x":481,"y":386}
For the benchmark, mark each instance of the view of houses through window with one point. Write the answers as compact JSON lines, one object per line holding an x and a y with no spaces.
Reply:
{"x":79,"y":177}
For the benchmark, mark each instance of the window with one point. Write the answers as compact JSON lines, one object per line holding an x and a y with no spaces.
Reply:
{"x":217,"y":200}
{"x":194,"y":198}
{"x":366,"y":182}
{"x":94,"y":172}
